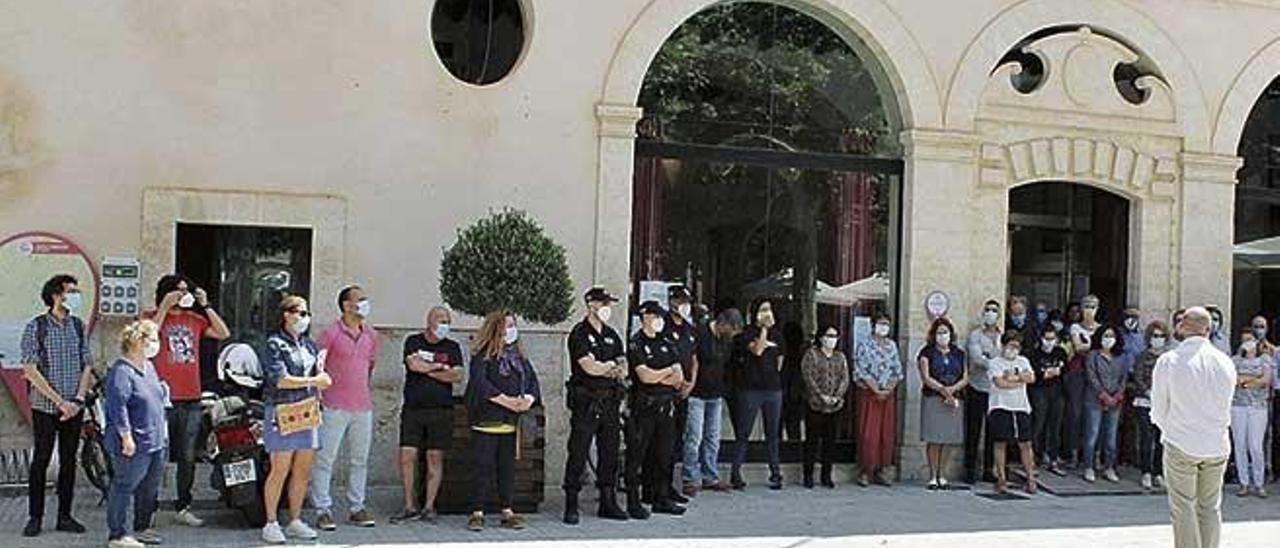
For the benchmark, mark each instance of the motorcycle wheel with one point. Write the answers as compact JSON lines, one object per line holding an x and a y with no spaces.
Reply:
{"x":96,"y":465}
{"x":255,"y":513}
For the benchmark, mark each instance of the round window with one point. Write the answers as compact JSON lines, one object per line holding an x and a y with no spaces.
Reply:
{"x":479,"y":41}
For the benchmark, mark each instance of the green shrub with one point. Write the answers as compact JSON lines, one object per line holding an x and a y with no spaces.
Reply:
{"x":506,"y":261}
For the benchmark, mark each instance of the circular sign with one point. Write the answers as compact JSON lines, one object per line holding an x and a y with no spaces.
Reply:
{"x":28,"y":260}
{"x":937,"y":304}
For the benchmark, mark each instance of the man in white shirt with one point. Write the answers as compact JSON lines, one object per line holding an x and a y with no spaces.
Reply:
{"x":1191,"y":392}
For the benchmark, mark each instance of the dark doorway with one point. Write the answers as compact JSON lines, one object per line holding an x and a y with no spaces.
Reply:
{"x":246,"y":270}
{"x":1068,"y":240}
{"x":1256,"y":290}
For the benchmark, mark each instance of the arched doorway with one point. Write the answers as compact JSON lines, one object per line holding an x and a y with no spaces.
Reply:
{"x":1068,"y":240}
{"x":1256,"y":287}
{"x":767,"y":165}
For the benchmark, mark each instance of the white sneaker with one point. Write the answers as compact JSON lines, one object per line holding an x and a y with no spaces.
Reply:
{"x":1090,"y":476}
{"x":125,"y":542}
{"x":185,"y":517}
{"x":1111,"y":476}
{"x":1146,"y":482}
{"x":299,"y":530}
{"x":271,"y":534}
{"x":1159,"y":481}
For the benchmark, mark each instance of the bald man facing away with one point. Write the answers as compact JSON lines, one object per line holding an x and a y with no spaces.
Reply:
{"x":1191,"y":393}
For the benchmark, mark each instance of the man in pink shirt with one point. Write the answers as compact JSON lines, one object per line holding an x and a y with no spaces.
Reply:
{"x":352,"y":348}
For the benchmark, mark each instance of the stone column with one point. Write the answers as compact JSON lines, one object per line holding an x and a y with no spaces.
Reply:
{"x":616,"y":125}
{"x":1206,"y":230}
{"x":939,"y":235}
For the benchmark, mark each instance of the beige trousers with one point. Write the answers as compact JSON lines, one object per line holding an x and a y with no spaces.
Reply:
{"x":1195,"y":497}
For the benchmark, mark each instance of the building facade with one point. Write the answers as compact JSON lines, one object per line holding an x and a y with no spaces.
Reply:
{"x":128,"y":126}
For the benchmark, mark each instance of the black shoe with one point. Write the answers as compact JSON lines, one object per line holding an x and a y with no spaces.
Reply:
{"x":737,"y":484}
{"x":668,"y":507}
{"x":609,"y":506}
{"x":635,"y":510}
{"x":677,"y":498}
{"x":826,"y":482}
{"x":808,"y":481}
{"x":971,"y":478}
{"x":775,"y":484}
{"x":32,"y":529}
{"x":571,"y":516}
{"x":407,"y":514}
{"x":68,"y":524}
{"x":646,"y":496}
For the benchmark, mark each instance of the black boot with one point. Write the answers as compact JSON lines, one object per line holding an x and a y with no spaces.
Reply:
{"x":609,"y":505}
{"x":571,"y":508}
{"x":635,"y":509}
{"x":808,"y":475}
{"x":826,"y":477}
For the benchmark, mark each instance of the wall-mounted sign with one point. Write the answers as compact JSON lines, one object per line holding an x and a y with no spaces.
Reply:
{"x":937,"y":304}
{"x":121,"y":279}
{"x":27,"y":261}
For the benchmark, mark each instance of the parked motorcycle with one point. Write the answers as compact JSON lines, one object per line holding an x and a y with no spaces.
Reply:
{"x":234,"y":423}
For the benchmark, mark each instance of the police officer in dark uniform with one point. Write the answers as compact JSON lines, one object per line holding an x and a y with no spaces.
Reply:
{"x":681,"y":333}
{"x":595,"y":394}
{"x":657,"y":378}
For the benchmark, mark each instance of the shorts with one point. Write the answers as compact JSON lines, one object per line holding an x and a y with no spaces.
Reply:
{"x":1009,"y":426}
{"x":430,"y":428}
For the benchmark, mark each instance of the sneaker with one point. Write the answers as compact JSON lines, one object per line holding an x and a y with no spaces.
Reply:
{"x":690,"y":489}
{"x":1090,"y":476}
{"x":125,"y":542}
{"x":1244,"y":491}
{"x":1158,"y":480}
{"x":863,"y":480}
{"x":32,"y":529}
{"x":271,"y":534}
{"x":1146,"y":482}
{"x":408,"y":514}
{"x":475,"y":522}
{"x":933,"y":485}
{"x":68,"y":524}
{"x":943,"y":484}
{"x":301,"y":531}
{"x":185,"y":517}
{"x":149,"y":537}
{"x":718,"y":487}
{"x":324,"y":522}
{"x":512,"y":521}
{"x":1261,"y":492}
{"x":362,"y":518}
{"x":1111,"y":476}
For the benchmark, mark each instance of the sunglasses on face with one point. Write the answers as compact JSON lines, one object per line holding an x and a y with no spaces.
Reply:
{"x":303,"y":313}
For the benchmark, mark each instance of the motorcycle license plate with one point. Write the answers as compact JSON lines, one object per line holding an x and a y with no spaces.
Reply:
{"x":236,"y":473}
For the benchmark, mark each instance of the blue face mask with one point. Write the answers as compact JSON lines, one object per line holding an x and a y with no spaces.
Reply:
{"x":72,"y":302}
{"x":442,"y":331}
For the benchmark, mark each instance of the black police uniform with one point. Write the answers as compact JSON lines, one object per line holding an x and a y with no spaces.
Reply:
{"x":652,"y":422}
{"x":685,"y":340}
{"x":595,"y":406}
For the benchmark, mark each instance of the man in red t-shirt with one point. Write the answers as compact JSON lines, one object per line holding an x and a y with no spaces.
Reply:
{"x":184,"y":316}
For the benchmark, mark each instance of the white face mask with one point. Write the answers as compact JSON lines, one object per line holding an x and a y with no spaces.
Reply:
{"x":882,"y":329}
{"x":1011,"y":353}
{"x":604,"y":313}
{"x":990,"y":318}
{"x":944,"y":339}
{"x":1108,"y":343}
{"x":1048,"y":345}
{"x":151,"y":349}
{"x":71,"y":302}
{"x":301,"y":324}
{"x":829,"y":342}
{"x":187,"y":300}
{"x":1249,"y":346}
{"x":658,"y":324}
{"x":765,"y":318}
{"x":363,"y":308}
{"x":511,"y":335}
{"x":686,"y":311}
{"x":1158,"y":342}
{"x":1131,"y":324}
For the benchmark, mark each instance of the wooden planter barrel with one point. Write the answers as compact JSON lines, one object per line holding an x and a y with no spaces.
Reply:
{"x":455,"y":492}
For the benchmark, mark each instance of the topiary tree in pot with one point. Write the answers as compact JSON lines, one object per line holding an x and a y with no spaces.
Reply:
{"x":505,"y":260}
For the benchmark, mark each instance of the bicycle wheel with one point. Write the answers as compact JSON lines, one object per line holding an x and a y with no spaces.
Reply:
{"x":96,"y":465}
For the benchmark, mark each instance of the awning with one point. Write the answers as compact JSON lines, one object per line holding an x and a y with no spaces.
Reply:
{"x":873,"y":288}
{"x":1258,"y":254}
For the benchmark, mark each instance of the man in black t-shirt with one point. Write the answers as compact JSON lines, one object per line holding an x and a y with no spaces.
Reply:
{"x":433,"y":363}
{"x":1049,"y":361}
{"x":657,"y":378}
{"x":595,"y":395}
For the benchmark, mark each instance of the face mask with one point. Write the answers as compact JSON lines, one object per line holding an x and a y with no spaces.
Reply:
{"x":1011,"y":353}
{"x":829,"y":342}
{"x":1158,"y":342}
{"x":882,"y":329}
{"x":990,"y":317}
{"x":1041,"y":316}
{"x":71,"y":302}
{"x":658,"y":324}
{"x":1249,"y":346}
{"x":686,"y":311}
{"x":1260,"y":333}
{"x":442,"y":331}
{"x":1048,"y":345}
{"x":301,"y":324}
{"x":1090,"y":312}
{"x":1057,"y":325}
{"x":1131,"y":324}
{"x":187,"y":300}
{"x":511,"y":336}
{"x":363,"y":308}
{"x":1108,"y":342}
{"x":1019,"y":319}
{"x":765,"y":318}
{"x":944,"y":339}
{"x":604,"y":313}
{"x":152,"y":349}
{"x":1216,"y":325}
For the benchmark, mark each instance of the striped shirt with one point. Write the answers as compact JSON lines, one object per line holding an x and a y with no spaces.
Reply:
{"x":68,"y":355}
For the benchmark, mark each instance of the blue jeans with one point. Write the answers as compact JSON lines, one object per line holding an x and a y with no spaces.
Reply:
{"x":136,"y":479}
{"x":1104,"y":422}
{"x":702,"y":441}
{"x":750,"y":404}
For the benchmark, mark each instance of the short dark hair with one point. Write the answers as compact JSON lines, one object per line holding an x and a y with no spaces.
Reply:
{"x":875,"y":319}
{"x":933,"y":331}
{"x":345,"y":294}
{"x":1118,"y":348}
{"x":168,"y":284}
{"x":992,"y":302}
{"x":54,"y":286}
{"x":1011,"y":335}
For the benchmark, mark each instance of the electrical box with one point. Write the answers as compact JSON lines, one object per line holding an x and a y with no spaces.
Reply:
{"x":121,"y":279}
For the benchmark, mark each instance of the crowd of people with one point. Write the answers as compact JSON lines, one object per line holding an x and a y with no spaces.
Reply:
{"x":1077,"y":390}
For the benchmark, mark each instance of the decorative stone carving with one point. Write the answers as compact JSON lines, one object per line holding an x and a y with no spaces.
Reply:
{"x":1082,"y":73}
{"x":1105,"y":163}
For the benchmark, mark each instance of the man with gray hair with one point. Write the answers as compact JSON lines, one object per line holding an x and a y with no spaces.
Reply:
{"x":1191,"y":393}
